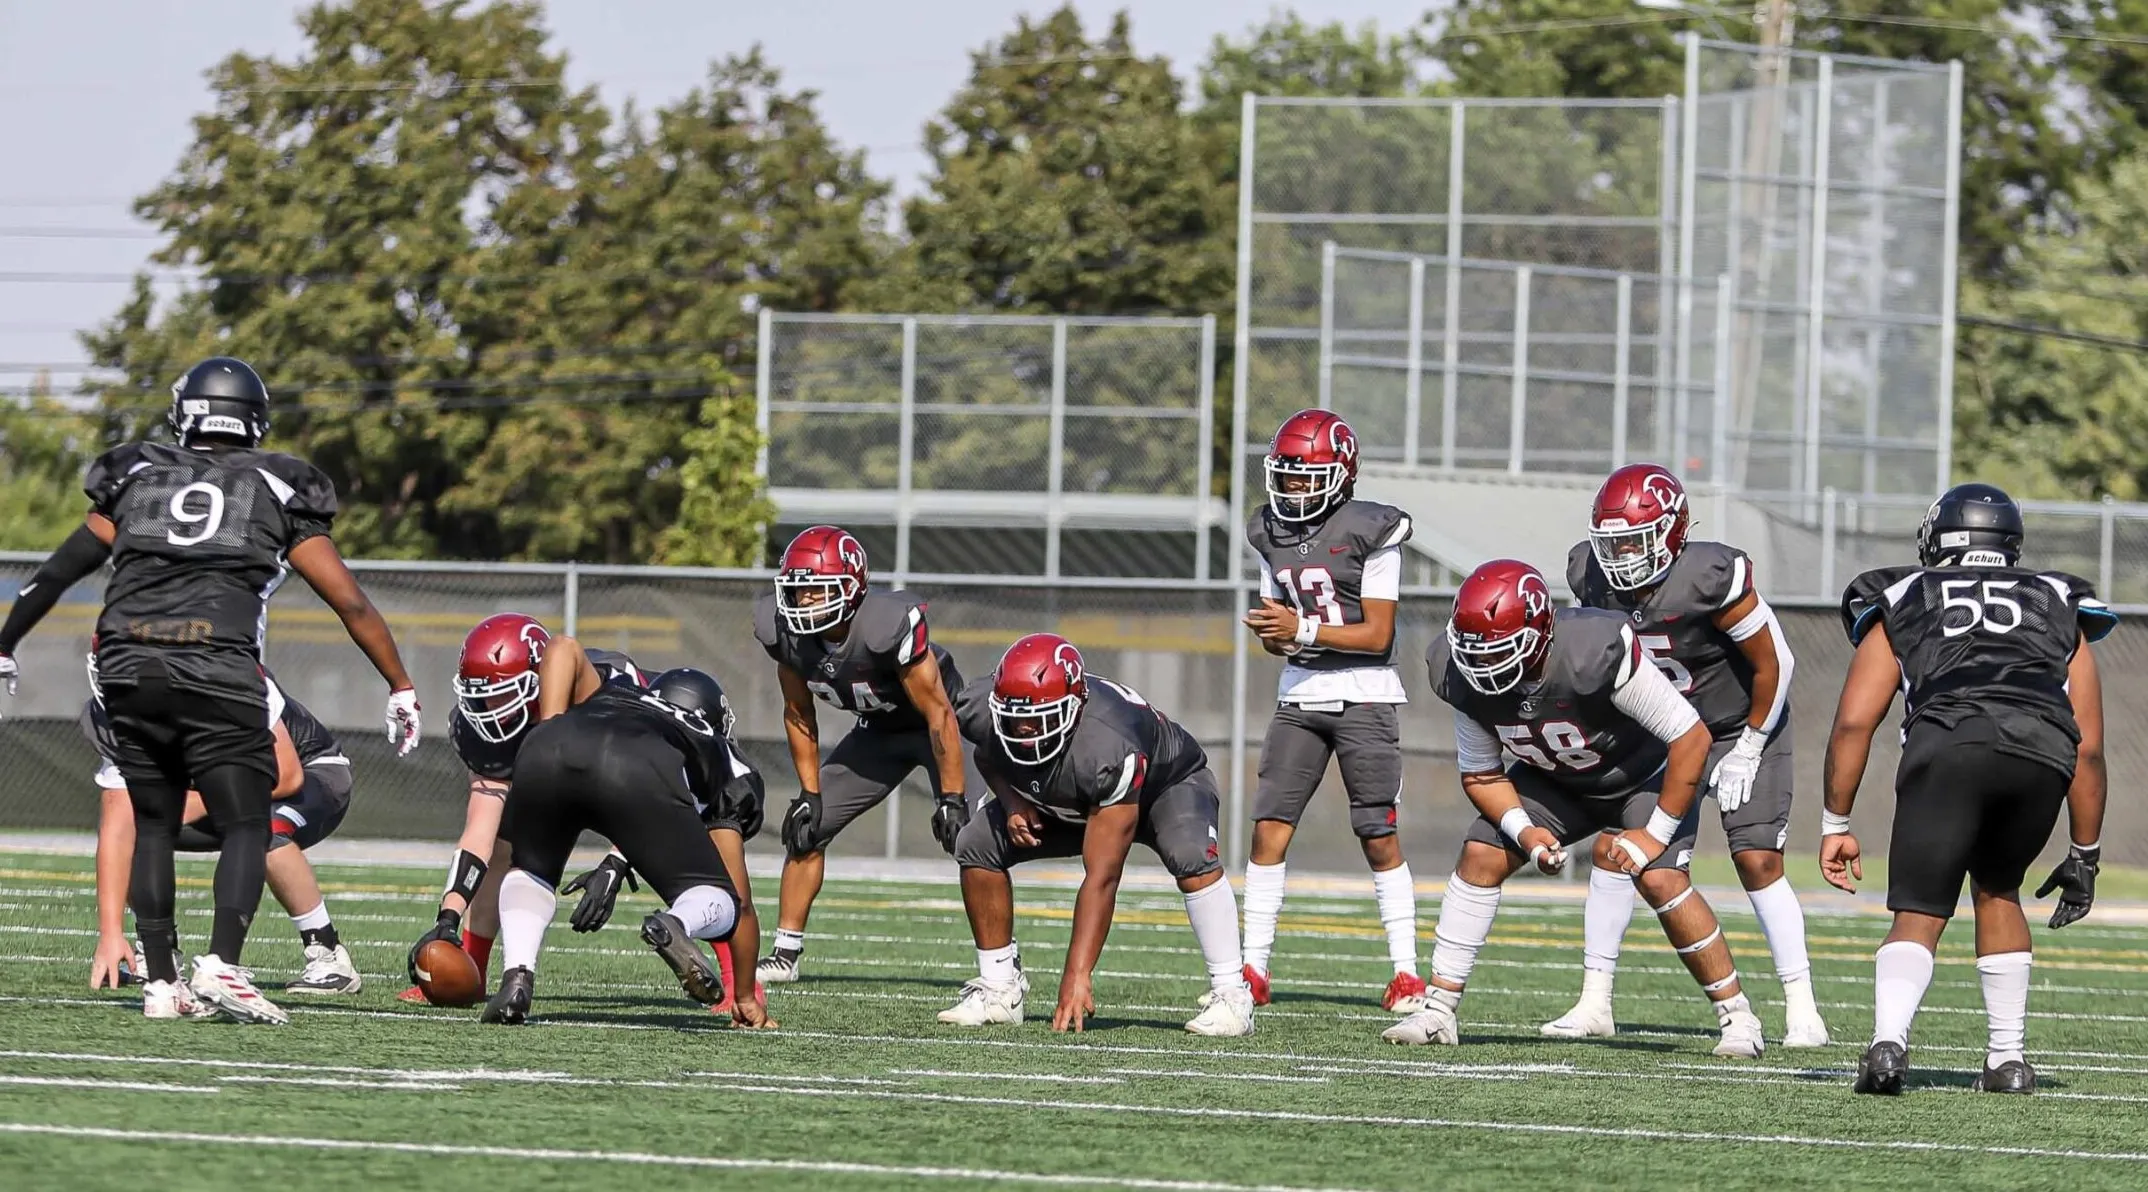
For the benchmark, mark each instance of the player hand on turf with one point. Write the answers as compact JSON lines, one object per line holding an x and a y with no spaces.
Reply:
{"x":448,"y":927}
{"x":1628,"y":852}
{"x":1075,"y":1003}
{"x":1841,"y":859}
{"x":403,"y":728}
{"x":1273,"y":621}
{"x":1543,"y":848}
{"x":1733,"y":776}
{"x":600,"y":889}
{"x":9,"y":672}
{"x":112,"y":956}
{"x":751,"y":1013}
{"x":949,"y":813}
{"x":2075,"y":880}
{"x":801,"y":824}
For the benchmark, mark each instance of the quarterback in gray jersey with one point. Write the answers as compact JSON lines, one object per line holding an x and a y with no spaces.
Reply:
{"x":868,"y":653}
{"x":1603,"y":745}
{"x":1331,"y":575}
{"x":1081,"y":766}
{"x":1701,"y":620}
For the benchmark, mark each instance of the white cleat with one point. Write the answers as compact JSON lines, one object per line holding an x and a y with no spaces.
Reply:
{"x":328,"y":970}
{"x":1225,"y":1014}
{"x":1589,"y":1019}
{"x":172,"y":1000}
{"x":230,"y":989}
{"x":1806,"y":1030}
{"x":987,"y":1003}
{"x":1742,"y":1039}
{"x":1433,"y":1024}
{"x":778,"y":968}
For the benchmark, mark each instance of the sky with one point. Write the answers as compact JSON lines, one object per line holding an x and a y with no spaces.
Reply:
{"x":95,"y":98}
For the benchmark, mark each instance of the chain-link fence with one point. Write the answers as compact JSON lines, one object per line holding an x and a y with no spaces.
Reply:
{"x":996,"y":444}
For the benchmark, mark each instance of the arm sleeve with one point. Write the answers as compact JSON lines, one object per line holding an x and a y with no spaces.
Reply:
{"x":1763,"y":617}
{"x":1383,"y":575}
{"x":1650,"y":700}
{"x":1476,"y":750}
{"x":77,"y":557}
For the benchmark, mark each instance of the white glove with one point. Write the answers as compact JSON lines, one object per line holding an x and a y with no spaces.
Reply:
{"x":1733,"y":777}
{"x":9,"y":672}
{"x":403,"y":728}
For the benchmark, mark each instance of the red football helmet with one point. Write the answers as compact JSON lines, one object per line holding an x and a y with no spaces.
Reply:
{"x":1501,"y":629}
{"x":496,"y":682}
{"x":1037,"y":694}
{"x":821,"y":581}
{"x":1638,"y":525}
{"x":1311,"y":465}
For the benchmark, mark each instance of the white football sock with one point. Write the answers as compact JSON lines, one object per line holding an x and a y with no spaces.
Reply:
{"x":1000,"y":966}
{"x":2005,"y":977}
{"x":1782,"y":921}
{"x":1732,"y":1005}
{"x":709,"y":912}
{"x":1264,"y":902}
{"x":1901,"y":972}
{"x":1604,"y":919}
{"x":526,"y":906}
{"x":1465,"y":922}
{"x":789,"y":941}
{"x":1213,"y":911}
{"x":1396,"y":894}
{"x":314,"y":919}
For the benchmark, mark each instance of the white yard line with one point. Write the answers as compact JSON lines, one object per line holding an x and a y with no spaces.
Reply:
{"x":1025,"y":1077}
{"x":345,"y":1082}
{"x":1182,"y":1074}
{"x":94,"y":1082}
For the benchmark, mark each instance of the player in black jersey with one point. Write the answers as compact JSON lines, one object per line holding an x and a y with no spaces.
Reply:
{"x":1700,"y":616}
{"x":640,"y":771}
{"x":2002,"y":721}
{"x":1603,"y":743}
{"x":201,"y":532}
{"x":1331,"y":577}
{"x":509,"y":665}
{"x":1082,"y":766}
{"x":869,"y":653}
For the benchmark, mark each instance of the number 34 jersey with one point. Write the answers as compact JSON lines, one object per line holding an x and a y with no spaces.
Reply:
{"x":201,"y":536}
{"x":861,"y":674}
{"x":1984,"y":641}
{"x":1675,"y":621}
{"x":1325,"y":570}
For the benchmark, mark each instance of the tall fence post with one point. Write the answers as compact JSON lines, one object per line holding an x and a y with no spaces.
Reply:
{"x":1950,"y":239}
{"x":1518,"y":411}
{"x":1055,"y":465}
{"x":1241,"y":366}
{"x":1451,"y":325}
{"x":1327,"y":324}
{"x":906,"y":444}
{"x":1688,"y":172}
{"x":570,"y":613}
{"x":1719,"y":424}
{"x":1816,"y":282}
{"x":1827,"y":544}
{"x":1622,"y":345}
{"x":1204,"y":449}
{"x":2106,"y":539}
{"x":1668,"y":239}
{"x":1235,"y":842}
{"x":1413,"y":386}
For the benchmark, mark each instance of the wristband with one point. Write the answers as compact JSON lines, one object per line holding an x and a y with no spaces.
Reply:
{"x":1832,"y":824}
{"x":1514,"y":823}
{"x":1308,"y":629}
{"x":1662,"y":825}
{"x":2087,"y":852}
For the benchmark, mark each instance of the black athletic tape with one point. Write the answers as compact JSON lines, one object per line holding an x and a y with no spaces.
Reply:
{"x":467,"y":874}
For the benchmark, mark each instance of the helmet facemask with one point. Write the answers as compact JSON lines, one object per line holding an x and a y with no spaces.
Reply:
{"x":1034,"y":733}
{"x":1633,"y":557}
{"x":1498,"y":665}
{"x":1322,"y":487}
{"x":837,"y":596}
{"x":497,"y":709}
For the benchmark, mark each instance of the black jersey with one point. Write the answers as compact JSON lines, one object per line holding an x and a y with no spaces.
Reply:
{"x":625,"y":717}
{"x":1121,"y":747}
{"x":1565,"y":722}
{"x":1319,"y":567}
{"x":496,"y":759}
{"x":312,"y":739}
{"x":1675,"y":620}
{"x":201,"y":537}
{"x":862,"y":673}
{"x":1984,"y":641}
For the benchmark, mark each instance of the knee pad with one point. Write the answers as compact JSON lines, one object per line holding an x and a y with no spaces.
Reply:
{"x":1371,"y":823}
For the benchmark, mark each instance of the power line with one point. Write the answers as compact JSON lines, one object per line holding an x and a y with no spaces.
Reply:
{"x":2059,"y":333}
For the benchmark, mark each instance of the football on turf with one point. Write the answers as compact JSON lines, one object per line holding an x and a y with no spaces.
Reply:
{"x":448,"y":976}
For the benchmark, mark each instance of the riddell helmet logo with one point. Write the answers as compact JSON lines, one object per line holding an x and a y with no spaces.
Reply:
{"x":1535,"y":597}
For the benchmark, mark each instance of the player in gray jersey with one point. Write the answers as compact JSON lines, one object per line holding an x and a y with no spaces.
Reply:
{"x":1701,"y":620}
{"x":1331,"y":575}
{"x":836,"y":641}
{"x":2002,"y":721}
{"x":1602,"y":744}
{"x":1080,"y":766}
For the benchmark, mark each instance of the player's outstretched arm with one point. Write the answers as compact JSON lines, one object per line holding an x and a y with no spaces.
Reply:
{"x":1867,"y":693}
{"x":2075,"y":877}
{"x":565,"y":678}
{"x":1105,"y":841}
{"x":928,"y":694}
{"x":1650,"y":699}
{"x":82,"y":553}
{"x":290,"y":771}
{"x":801,"y":727}
{"x":321,"y":564}
{"x":115,"y":857}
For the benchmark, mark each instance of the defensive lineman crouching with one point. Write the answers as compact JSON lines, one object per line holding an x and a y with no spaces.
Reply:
{"x":1082,"y":766}
{"x":1571,"y":695}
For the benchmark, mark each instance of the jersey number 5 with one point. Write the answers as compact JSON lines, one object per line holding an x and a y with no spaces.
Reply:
{"x":861,"y":698}
{"x":1992,"y":609}
{"x":1658,"y":646}
{"x":1568,"y":747}
{"x":1315,"y":584}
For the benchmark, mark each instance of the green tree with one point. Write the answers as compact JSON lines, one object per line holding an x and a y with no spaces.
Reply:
{"x":44,"y":445}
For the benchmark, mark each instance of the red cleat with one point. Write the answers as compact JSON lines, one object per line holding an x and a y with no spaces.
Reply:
{"x":1258,"y":981}
{"x":1405,"y":994}
{"x":413,"y":995}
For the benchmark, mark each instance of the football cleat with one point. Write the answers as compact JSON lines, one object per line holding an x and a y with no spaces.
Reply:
{"x":987,"y":1003}
{"x":510,"y":1006}
{"x":172,"y":999}
{"x":1405,"y":994}
{"x":1435,"y":1023}
{"x":1882,"y":1069}
{"x":328,"y":970}
{"x":1589,"y":1019}
{"x":663,"y":932}
{"x":1257,"y":981}
{"x":1742,"y":1038}
{"x":2013,"y":1076}
{"x":1805,"y":1030}
{"x":230,"y":989}
{"x":1225,"y":1014}
{"x":413,"y":996}
{"x":779,"y":967}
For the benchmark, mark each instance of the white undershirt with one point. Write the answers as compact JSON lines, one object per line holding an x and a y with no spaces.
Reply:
{"x":1352,"y":685}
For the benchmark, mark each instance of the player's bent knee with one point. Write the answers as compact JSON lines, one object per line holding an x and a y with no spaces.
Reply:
{"x":1758,"y":868}
{"x":1200,"y":881}
{"x":1484,"y":864}
{"x":1661,"y":887}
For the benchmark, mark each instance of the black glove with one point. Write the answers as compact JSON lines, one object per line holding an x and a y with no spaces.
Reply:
{"x":949,"y":813}
{"x":801,"y":825}
{"x":600,"y":889}
{"x":449,"y":928}
{"x":2075,"y":877}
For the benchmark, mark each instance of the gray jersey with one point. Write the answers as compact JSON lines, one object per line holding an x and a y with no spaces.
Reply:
{"x":862,"y":673}
{"x":1122,"y":748}
{"x":1320,"y":568}
{"x":1564,"y":723}
{"x":1676,"y":623}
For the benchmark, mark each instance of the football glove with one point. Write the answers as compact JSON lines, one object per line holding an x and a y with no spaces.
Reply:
{"x":1733,"y":777}
{"x":600,"y":889}
{"x":949,"y":813}
{"x":403,"y":729}
{"x":2075,"y":879}
{"x":801,"y":825}
{"x":9,"y":672}
{"x":448,"y":927}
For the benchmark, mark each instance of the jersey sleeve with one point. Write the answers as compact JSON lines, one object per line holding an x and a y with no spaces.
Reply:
{"x":2094,"y":616}
{"x":307,"y":494}
{"x":894,"y":628}
{"x":1380,"y":527}
{"x":1577,"y":570}
{"x":1720,"y":575}
{"x":1649,"y":700}
{"x":973,"y":711}
{"x":764,"y":625}
{"x":1476,"y":750}
{"x":1118,"y":781}
{"x":1257,"y":535}
{"x":1607,"y":652}
{"x":1865,"y":602}
{"x":107,"y":476}
{"x":1437,"y":672}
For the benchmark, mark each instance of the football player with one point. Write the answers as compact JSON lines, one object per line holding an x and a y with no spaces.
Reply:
{"x":642,"y":772}
{"x":1082,"y":766}
{"x":509,"y":664}
{"x":1701,"y":620}
{"x":312,"y":793}
{"x":868,"y":653}
{"x":1603,"y":743}
{"x":2002,"y":721}
{"x":200,"y":532}
{"x":1330,"y":576}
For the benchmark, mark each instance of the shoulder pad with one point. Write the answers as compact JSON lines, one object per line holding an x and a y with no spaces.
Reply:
{"x":1257,"y":534}
{"x":2095,"y":617}
{"x":615,"y":667}
{"x":479,"y":756}
{"x":764,"y":622}
{"x":1375,"y":526}
{"x":894,"y":625}
{"x":1720,"y":575}
{"x":108,"y":473}
{"x":1601,"y":648}
{"x":304,"y":489}
{"x":1437,"y":670}
{"x":973,"y":710}
{"x":1865,"y":601}
{"x":1578,"y":561}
